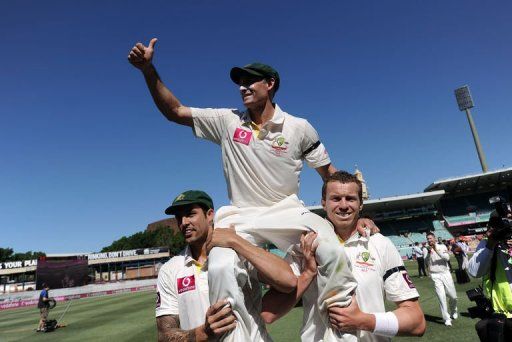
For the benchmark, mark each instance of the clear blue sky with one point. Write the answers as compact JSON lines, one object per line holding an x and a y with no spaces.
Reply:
{"x":85,"y":157}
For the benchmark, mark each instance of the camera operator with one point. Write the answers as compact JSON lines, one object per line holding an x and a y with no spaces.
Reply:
{"x":493,"y":261}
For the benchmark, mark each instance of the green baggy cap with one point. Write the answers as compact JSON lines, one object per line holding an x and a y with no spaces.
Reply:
{"x":190,"y":197}
{"x":255,"y":69}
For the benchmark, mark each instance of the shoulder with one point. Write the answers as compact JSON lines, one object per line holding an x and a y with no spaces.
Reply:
{"x":383,"y":245}
{"x":216,"y":112}
{"x":174,"y":263}
{"x":380,"y":240}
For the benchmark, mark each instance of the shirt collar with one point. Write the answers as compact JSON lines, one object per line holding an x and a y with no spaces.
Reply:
{"x":356,"y":238}
{"x":277,"y":118}
{"x":189,"y":259}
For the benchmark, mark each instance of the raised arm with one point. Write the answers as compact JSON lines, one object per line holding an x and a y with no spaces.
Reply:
{"x":141,"y":57}
{"x":272,"y":270}
{"x":219,"y":319}
{"x":276,"y":304}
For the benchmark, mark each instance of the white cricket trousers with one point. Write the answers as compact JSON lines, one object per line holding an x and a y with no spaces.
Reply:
{"x":282,"y":225}
{"x":444,"y":286}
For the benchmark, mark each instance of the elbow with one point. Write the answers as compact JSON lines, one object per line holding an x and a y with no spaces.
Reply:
{"x":287,"y":285}
{"x":419,"y":330}
{"x":290,"y":285}
{"x":268,"y":317}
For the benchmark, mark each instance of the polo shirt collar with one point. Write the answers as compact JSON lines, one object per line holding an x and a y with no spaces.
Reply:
{"x":277,"y":118}
{"x":356,"y":238}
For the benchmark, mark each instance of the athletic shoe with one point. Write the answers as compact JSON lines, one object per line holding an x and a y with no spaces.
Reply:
{"x":448,"y":323}
{"x":455,"y":316}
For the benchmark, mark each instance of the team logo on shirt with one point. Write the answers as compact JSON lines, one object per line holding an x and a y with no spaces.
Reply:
{"x":186,"y":284}
{"x":279,"y":145}
{"x":158,"y":299}
{"x":365,"y":261}
{"x":408,"y":280}
{"x":242,"y":136}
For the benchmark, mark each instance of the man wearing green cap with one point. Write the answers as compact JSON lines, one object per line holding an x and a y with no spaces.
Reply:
{"x":182,"y":287}
{"x":263,"y":151}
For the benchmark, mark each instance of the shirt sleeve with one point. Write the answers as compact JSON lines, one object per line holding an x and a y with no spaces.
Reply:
{"x":442,"y":251}
{"x":166,"y":296}
{"x":211,"y":124}
{"x":398,"y":286}
{"x":313,"y":151}
{"x":480,"y":262}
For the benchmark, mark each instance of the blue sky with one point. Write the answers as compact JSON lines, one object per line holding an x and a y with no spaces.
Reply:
{"x":85,"y":157}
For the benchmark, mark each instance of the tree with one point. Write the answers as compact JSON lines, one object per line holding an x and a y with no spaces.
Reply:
{"x":162,"y":236}
{"x":7,"y":254}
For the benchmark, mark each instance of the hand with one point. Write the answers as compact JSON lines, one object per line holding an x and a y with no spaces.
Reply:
{"x":222,"y":237}
{"x":308,"y":244}
{"x":219,"y":319}
{"x":141,"y":56}
{"x":364,"y":225}
{"x":351,"y":318}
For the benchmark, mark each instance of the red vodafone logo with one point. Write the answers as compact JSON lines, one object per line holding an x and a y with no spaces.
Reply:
{"x":242,"y":136}
{"x":186,"y":284}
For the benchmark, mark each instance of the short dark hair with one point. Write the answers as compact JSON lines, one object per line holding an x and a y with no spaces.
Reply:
{"x":343,"y":177}
{"x":430,"y":233}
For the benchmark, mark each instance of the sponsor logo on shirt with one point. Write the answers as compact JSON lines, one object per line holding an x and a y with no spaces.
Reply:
{"x":186,"y":284}
{"x":242,"y":136}
{"x":279,"y":145}
{"x":408,"y":280}
{"x":158,"y":300}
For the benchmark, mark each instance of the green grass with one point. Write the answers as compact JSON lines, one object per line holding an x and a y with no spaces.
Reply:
{"x":130,"y":317}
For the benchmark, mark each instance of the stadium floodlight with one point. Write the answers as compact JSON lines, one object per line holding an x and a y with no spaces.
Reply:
{"x":464,"y":99}
{"x":465,"y":102}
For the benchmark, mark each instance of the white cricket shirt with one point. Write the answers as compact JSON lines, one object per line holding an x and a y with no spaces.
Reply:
{"x":182,"y":289}
{"x":438,"y":262}
{"x":378,"y":269}
{"x":261,"y":167}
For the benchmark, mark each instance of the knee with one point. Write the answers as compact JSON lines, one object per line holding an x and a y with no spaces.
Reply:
{"x":329,"y":251}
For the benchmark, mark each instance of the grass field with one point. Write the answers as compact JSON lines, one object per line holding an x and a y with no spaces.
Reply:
{"x":130,"y":317}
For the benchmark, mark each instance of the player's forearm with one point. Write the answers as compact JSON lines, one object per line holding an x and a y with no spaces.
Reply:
{"x":411,"y":321}
{"x":272,"y":269}
{"x":164,"y":99}
{"x":178,"y":335}
{"x":276,"y":304}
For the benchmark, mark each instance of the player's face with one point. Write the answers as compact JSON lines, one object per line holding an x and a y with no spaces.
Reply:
{"x":254,"y":91}
{"x":431,"y":239}
{"x":342,"y":204}
{"x":194,"y":223}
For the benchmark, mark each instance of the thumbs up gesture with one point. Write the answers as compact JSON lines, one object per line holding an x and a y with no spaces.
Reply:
{"x":141,"y":56}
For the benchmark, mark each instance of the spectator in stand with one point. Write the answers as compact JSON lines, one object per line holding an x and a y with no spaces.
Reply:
{"x":418,"y":253}
{"x":43,"y":305}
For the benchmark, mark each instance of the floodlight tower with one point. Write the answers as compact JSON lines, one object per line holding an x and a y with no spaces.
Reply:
{"x":465,"y":102}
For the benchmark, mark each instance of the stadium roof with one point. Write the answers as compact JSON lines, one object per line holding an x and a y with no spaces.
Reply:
{"x":397,"y":202}
{"x":472,"y":183}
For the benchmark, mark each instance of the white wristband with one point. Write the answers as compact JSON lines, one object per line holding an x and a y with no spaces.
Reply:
{"x":386,"y":324}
